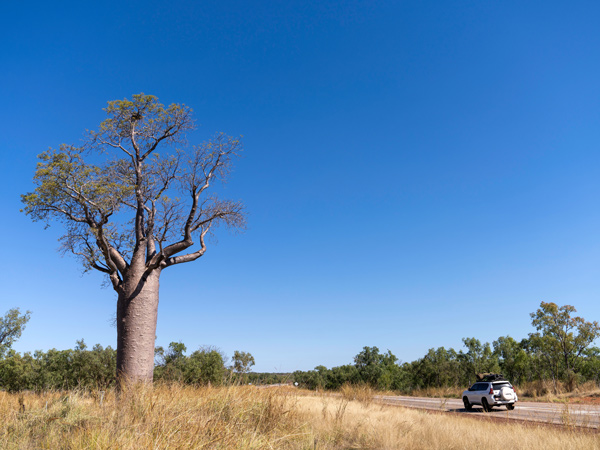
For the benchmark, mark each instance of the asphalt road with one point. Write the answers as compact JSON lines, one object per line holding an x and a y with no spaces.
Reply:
{"x":556,"y":413}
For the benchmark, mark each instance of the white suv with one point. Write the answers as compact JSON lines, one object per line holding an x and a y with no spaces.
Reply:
{"x":489,"y":394}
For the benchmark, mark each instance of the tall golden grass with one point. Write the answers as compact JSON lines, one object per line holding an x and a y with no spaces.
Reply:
{"x":548,"y":390}
{"x":438,"y":392}
{"x":163,"y":417}
{"x":183,"y":417}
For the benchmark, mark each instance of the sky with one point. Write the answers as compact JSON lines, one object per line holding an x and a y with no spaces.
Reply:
{"x":414,"y":172}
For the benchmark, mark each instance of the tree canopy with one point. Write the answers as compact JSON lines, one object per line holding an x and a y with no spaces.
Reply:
{"x":242,"y":361}
{"x":138,"y":198}
{"x":561,"y":339}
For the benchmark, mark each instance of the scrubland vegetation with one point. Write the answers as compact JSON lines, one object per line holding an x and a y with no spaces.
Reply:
{"x":557,"y":357}
{"x":67,"y":399}
{"x":555,"y":361}
{"x":85,"y":368}
{"x":175,"y":416}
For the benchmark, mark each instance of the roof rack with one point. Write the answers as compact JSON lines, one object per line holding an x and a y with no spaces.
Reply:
{"x":490,"y":377}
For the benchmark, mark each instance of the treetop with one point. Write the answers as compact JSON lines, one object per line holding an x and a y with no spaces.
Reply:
{"x":148,"y":201}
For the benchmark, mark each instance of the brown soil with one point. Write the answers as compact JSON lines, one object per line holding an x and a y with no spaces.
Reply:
{"x":587,"y":400}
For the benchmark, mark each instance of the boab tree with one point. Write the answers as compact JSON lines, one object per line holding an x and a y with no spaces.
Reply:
{"x":144,"y":209}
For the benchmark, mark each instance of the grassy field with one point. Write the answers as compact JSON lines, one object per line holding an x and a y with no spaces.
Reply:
{"x":177,"y":417}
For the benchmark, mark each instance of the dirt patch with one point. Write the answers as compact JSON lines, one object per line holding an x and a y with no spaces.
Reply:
{"x":588,"y":400}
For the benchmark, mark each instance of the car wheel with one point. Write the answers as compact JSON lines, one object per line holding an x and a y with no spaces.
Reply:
{"x":468,"y":405}
{"x":486,"y":405}
{"x":510,"y":406}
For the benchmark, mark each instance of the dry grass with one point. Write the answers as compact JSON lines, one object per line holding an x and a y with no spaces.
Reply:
{"x":548,"y":391}
{"x":438,"y":392}
{"x":360,"y":393}
{"x":351,"y":425}
{"x":179,"y":417}
{"x":166,"y":417}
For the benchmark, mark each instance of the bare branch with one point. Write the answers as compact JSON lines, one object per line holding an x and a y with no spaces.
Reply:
{"x":148,"y":176}
{"x":190,"y":256}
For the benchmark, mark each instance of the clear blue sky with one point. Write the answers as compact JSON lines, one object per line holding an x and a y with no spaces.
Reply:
{"x":409,"y":167}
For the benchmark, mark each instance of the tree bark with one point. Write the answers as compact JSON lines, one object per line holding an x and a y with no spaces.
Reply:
{"x":137,"y":310}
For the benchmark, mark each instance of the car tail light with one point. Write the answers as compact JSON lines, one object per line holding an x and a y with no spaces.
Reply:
{"x":491,"y":390}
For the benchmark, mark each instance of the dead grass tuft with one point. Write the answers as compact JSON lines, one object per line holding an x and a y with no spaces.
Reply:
{"x":361,"y":393}
{"x":438,"y":392}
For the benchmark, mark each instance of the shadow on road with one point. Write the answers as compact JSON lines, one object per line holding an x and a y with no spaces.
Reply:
{"x":475,"y":410}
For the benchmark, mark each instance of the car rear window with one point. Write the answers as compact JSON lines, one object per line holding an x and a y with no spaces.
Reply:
{"x":501,"y":385}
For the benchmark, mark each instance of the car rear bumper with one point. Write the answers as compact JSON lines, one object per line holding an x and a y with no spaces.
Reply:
{"x":496,"y":401}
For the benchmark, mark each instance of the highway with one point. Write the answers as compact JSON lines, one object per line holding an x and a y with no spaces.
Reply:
{"x":555,"y":413}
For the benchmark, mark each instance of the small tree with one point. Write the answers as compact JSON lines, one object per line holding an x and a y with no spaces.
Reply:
{"x":561,"y":339}
{"x":242,"y":362}
{"x":172,"y":363}
{"x":205,"y":366}
{"x":512,"y":358}
{"x":479,"y":358}
{"x":139,"y":211}
{"x":374,"y":368}
{"x":11,"y":326}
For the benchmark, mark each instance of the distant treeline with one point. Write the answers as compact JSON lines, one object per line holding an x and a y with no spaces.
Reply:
{"x":560,"y":350}
{"x":518,"y":361}
{"x":96,"y":368}
{"x":59,"y":369}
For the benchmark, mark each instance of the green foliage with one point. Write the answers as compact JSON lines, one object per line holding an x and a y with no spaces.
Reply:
{"x":338,"y":376}
{"x":439,"y":367}
{"x":261,"y":378}
{"x":561,"y":350}
{"x":242,"y":362}
{"x":205,"y":366}
{"x":170,"y":364}
{"x":95,"y":369}
{"x":513,"y":360}
{"x":11,"y":326}
{"x":202,"y":367}
{"x":478,"y":358}
{"x":370,"y":367}
{"x":59,"y":369}
{"x":135,"y":199}
{"x":561,"y":340}
{"x":378,"y":370}
{"x":311,"y":379}
{"x":590,"y":366}
{"x":140,"y":190}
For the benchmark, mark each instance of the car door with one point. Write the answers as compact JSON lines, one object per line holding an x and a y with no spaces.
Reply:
{"x":475,"y":393}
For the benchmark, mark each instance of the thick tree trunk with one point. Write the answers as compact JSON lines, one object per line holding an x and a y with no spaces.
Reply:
{"x":137,"y":309}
